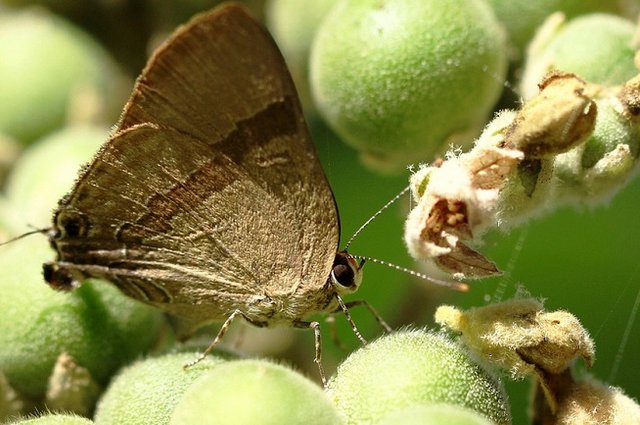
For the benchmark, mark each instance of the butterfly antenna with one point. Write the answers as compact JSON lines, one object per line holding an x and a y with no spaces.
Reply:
{"x":32,"y":232}
{"x":373,"y":217}
{"x":451,"y":284}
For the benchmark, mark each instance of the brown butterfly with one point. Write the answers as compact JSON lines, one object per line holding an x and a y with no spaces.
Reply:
{"x":208,"y":201}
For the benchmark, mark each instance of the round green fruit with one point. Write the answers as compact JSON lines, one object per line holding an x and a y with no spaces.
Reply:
{"x":293,"y":24}
{"x":147,"y":391}
{"x":522,"y":18}
{"x":402,"y":79}
{"x":598,"y":48}
{"x":95,"y":324}
{"x":49,"y":73}
{"x":414,"y":367}
{"x":46,"y":171}
{"x":247,"y":392}
{"x":436,"y":414}
{"x":55,"y":419}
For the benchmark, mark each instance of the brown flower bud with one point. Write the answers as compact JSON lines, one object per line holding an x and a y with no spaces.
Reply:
{"x":560,"y":117}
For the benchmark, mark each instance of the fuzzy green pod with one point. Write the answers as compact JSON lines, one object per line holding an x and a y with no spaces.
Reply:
{"x":522,"y":18}
{"x":598,"y":47}
{"x":435,"y":414}
{"x":248,"y":392}
{"x":604,"y":163}
{"x":95,"y":324}
{"x":414,"y":367}
{"x":402,"y":79}
{"x":55,"y":419}
{"x":611,"y":129}
{"x":51,"y":73}
{"x":147,"y":391}
{"x":293,"y":24}
{"x":46,"y":170}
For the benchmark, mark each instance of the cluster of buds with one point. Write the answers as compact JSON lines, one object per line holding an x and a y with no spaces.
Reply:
{"x":574,"y":142}
{"x":520,"y":337}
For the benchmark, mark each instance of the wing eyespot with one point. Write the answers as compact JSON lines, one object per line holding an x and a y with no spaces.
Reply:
{"x":58,"y":277}
{"x":71,"y":225}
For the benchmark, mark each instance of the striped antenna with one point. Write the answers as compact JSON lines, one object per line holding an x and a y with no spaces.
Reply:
{"x":451,"y":284}
{"x":373,"y":217}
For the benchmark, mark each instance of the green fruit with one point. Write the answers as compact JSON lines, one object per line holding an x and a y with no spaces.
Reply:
{"x":147,"y":391}
{"x":46,"y":172}
{"x":522,"y":18}
{"x":595,"y":171}
{"x":598,"y":48}
{"x":436,"y":414}
{"x":55,"y":419}
{"x":96,"y":324}
{"x":49,"y":71}
{"x":293,"y":24}
{"x":401,"y":79}
{"x":414,"y":367}
{"x":612,"y":129}
{"x":254,"y":392}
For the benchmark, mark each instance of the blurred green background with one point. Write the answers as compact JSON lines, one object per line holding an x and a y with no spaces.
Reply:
{"x":584,"y":261}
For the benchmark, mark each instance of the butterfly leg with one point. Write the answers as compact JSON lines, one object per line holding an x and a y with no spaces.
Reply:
{"x":333,"y":331}
{"x":219,"y":336}
{"x":345,"y":310}
{"x":373,"y":312}
{"x":318,"y":359}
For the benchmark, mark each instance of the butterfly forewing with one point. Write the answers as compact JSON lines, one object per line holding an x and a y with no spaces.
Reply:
{"x":209,"y":196}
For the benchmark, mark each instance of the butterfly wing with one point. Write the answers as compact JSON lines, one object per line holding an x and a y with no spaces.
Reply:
{"x":209,"y":196}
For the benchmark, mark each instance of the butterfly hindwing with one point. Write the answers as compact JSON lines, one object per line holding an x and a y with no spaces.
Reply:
{"x":209,"y":196}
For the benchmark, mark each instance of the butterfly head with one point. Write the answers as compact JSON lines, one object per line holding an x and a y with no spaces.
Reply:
{"x":346,"y":274}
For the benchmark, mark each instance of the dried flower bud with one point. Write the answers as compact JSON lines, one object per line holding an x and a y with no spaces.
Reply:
{"x":71,"y":387}
{"x":560,"y":117}
{"x":457,"y":199}
{"x":575,"y":142}
{"x":520,"y":337}
{"x":630,"y":97}
{"x":587,"y":402}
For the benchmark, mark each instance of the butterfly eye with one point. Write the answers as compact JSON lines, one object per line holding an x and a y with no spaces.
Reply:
{"x":346,"y":274}
{"x":72,"y":225}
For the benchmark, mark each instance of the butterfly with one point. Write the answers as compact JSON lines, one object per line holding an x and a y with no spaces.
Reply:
{"x":208,"y":200}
